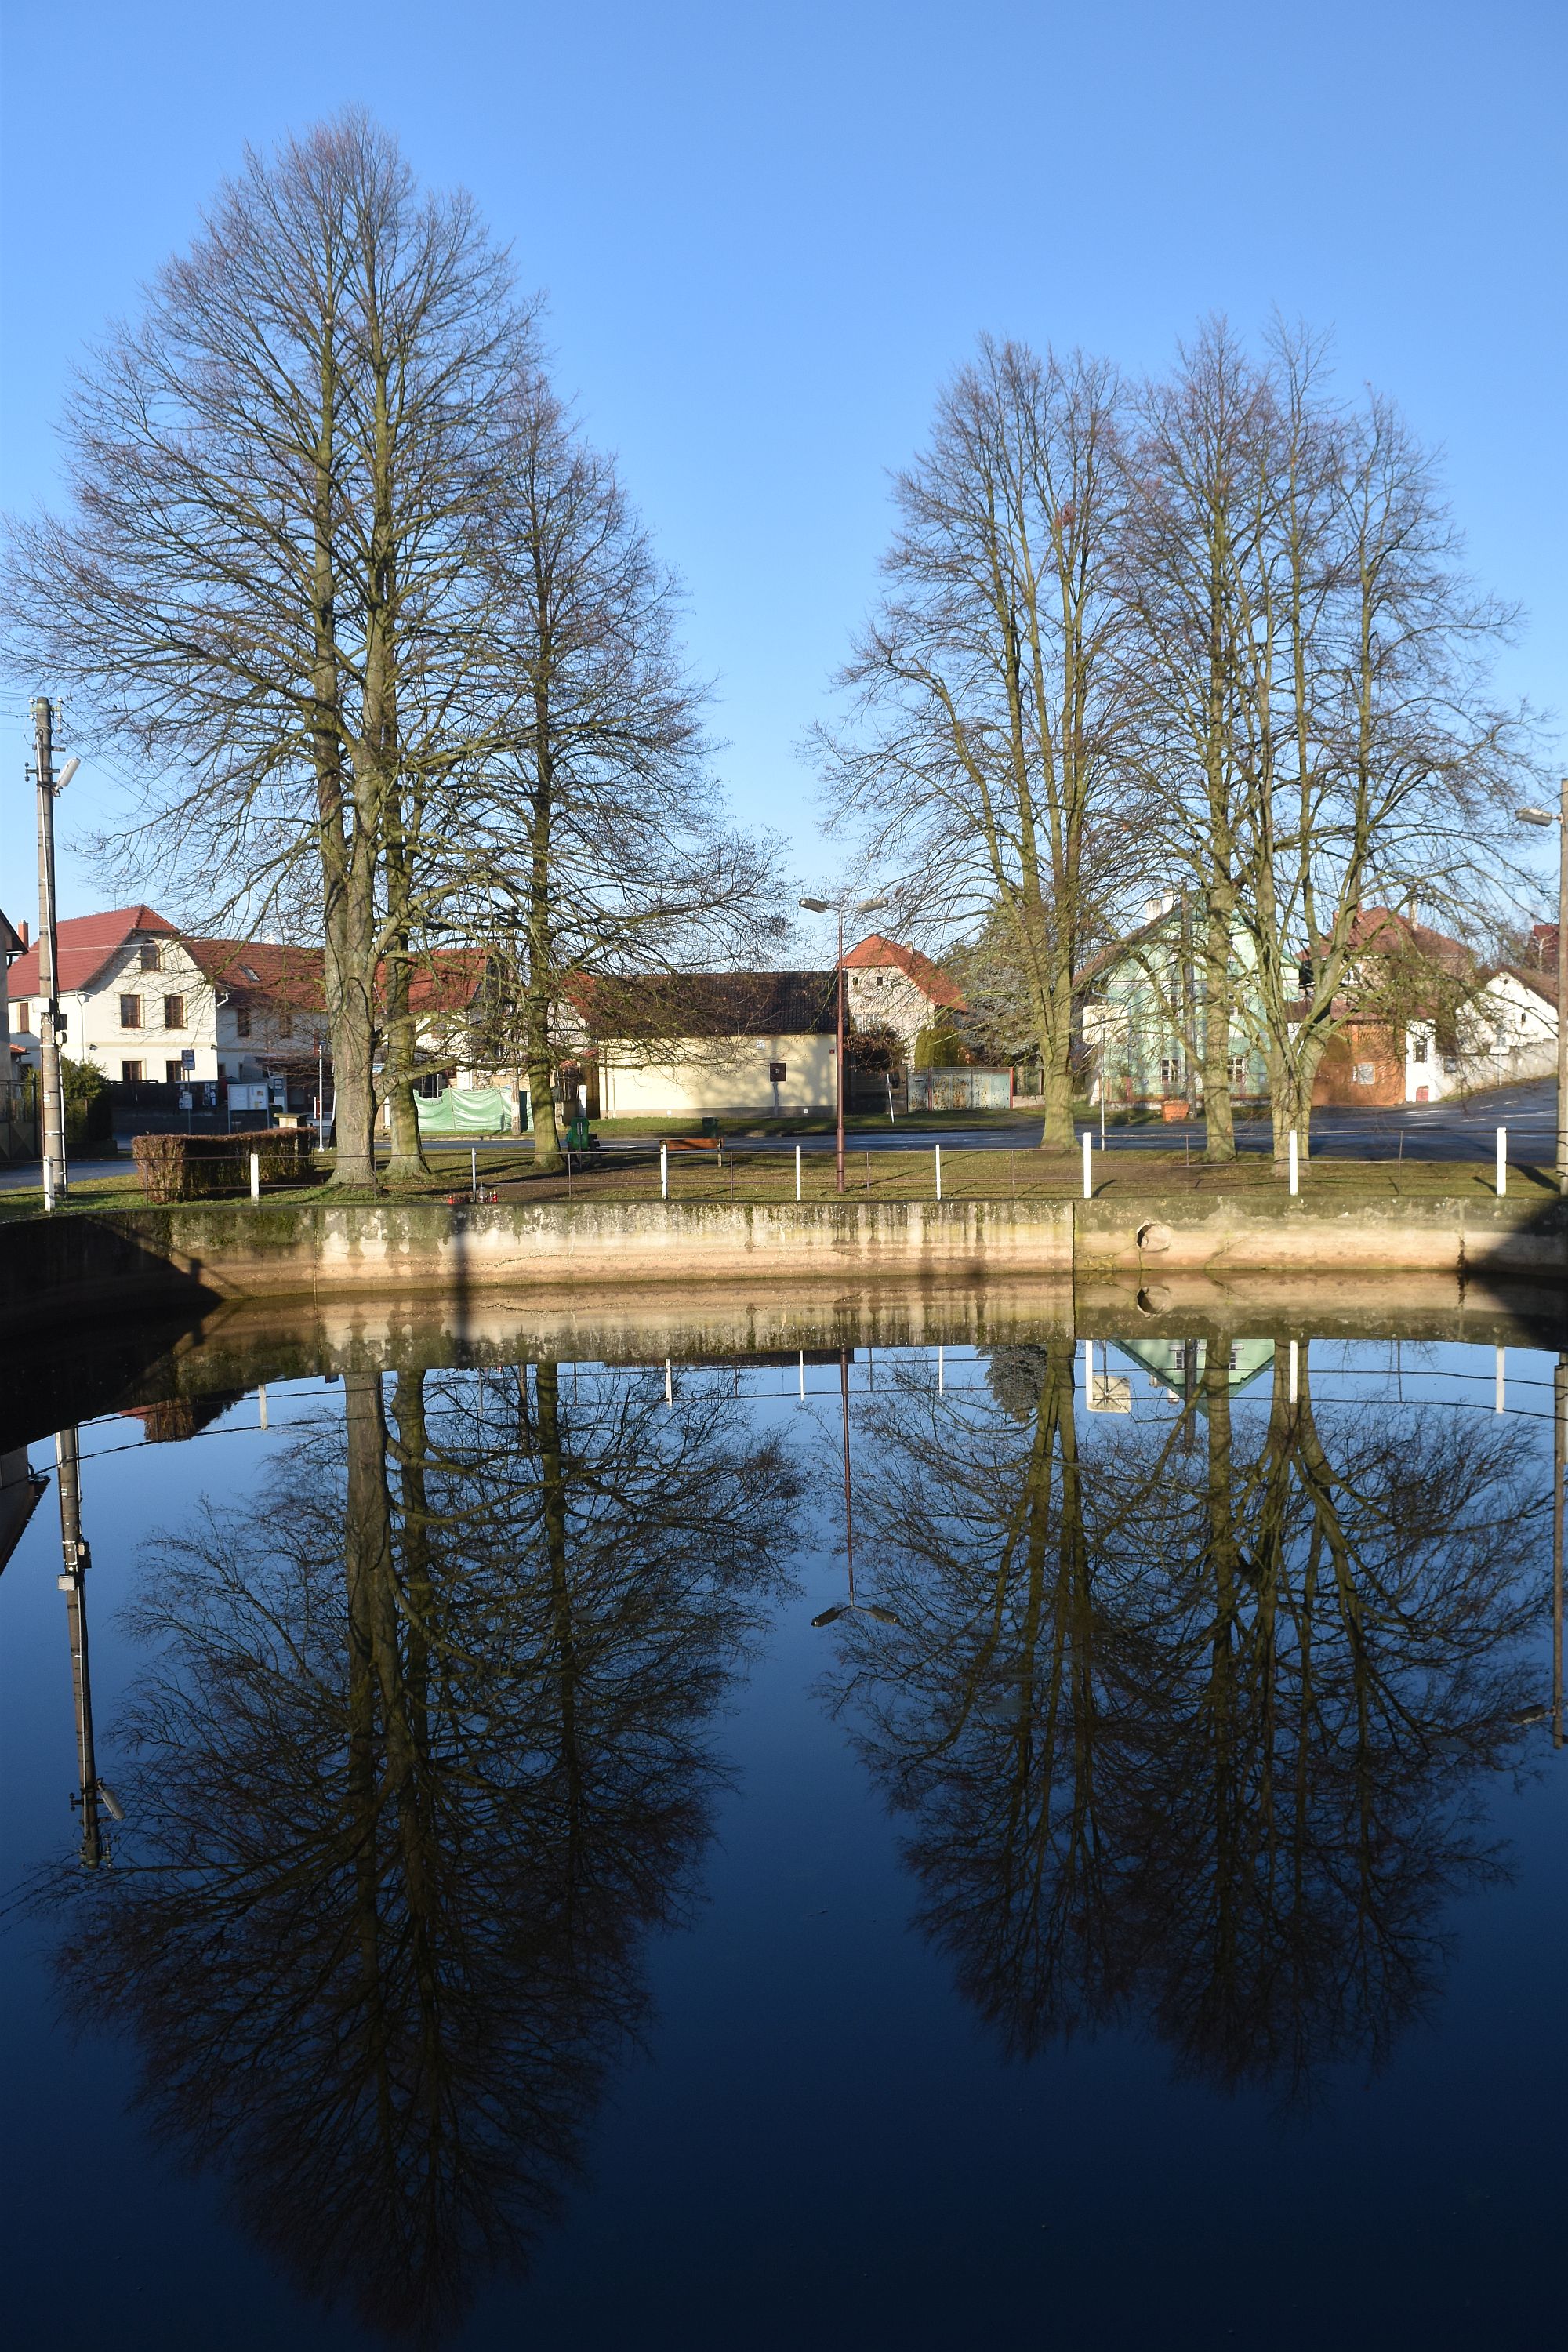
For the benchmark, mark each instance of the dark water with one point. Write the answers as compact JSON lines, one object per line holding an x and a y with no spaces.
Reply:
{"x":1139,"y":1920}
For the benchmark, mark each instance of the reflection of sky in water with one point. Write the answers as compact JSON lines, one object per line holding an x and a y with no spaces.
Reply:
{"x":813,"y":2132}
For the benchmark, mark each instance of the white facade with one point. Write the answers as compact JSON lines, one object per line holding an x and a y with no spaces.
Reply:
{"x":729,"y":1077}
{"x":1506,"y":1032}
{"x":148,"y":1006}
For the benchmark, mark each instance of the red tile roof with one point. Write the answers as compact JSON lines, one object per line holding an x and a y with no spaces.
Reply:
{"x":86,"y":945}
{"x":875,"y":952}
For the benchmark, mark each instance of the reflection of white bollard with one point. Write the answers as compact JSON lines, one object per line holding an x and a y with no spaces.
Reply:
{"x":1501,"y":1379}
{"x":664,"y":1172}
{"x":1295,"y":1181}
{"x":1292,"y":1372}
{"x":1088,"y":1163}
{"x":802,"y":1376}
{"x":940,"y":1379}
{"x":669,"y":1385}
{"x":798,"y":1196}
{"x":1501,"y":1162}
{"x":937,"y":1149}
{"x":256,"y":1175}
{"x":261,"y":1408}
{"x":1089,"y":1368}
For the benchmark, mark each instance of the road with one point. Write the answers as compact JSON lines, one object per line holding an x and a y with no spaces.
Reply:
{"x":1465,"y":1131}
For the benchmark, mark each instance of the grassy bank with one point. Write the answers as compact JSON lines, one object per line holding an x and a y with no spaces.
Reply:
{"x":975,"y":1175}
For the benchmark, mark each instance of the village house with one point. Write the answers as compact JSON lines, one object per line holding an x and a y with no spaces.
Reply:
{"x":1420,"y":1018}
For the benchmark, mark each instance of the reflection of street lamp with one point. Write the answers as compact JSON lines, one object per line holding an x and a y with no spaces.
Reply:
{"x":837,"y":906}
{"x":851,"y":1606}
{"x":76,"y":1559}
{"x":1545,"y":816}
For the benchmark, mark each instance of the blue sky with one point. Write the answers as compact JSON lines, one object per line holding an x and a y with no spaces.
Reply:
{"x":767,"y":233}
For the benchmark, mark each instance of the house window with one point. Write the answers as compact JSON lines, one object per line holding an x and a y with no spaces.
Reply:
{"x":285,"y":1023}
{"x":1363,"y":1074}
{"x":1236,"y":1068}
{"x":173,"y":1013}
{"x":242,"y":1022}
{"x":1417,"y":1048}
{"x":24,"y":1013}
{"x":152,"y":956}
{"x":130,"y":1074}
{"x":1170,"y":1071}
{"x":130,"y":1012}
{"x":172,"y":1074}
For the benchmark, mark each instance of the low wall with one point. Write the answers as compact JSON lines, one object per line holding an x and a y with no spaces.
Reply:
{"x":145,"y":1259}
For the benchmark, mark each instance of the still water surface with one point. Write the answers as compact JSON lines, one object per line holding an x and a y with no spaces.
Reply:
{"x":545,"y":1911}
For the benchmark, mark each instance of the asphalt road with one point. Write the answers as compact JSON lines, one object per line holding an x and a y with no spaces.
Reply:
{"x":1465,"y":1131}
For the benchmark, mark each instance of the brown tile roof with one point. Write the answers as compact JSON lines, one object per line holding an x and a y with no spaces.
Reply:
{"x":875,"y":952}
{"x":707,"y":1003}
{"x":86,"y":945}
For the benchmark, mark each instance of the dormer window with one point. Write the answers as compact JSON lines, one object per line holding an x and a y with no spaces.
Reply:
{"x":151,"y":956}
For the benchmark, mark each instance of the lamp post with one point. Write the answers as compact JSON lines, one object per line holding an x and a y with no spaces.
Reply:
{"x":850,"y":1608}
{"x":1545,"y":816}
{"x":839,"y":907}
{"x":50,"y":1022}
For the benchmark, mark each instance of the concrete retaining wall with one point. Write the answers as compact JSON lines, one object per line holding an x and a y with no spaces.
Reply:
{"x":138,"y":1260}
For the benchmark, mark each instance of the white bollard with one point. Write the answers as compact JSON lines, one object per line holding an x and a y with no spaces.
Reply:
{"x":664,"y":1172}
{"x":1088,"y":1163}
{"x":798,"y":1196}
{"x":1292,"y":1372}
{"x":937,"y":1149}
{"x":1501,"y":1379}
{"x":256,"y":1175}
{"x":49,"y":1185}
{"x":1295,"y":1178}
{"x":473,"y":1171}
{"x":1501,"y":1162}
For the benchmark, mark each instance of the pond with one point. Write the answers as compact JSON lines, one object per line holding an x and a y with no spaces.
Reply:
{"x":585,"y":1835}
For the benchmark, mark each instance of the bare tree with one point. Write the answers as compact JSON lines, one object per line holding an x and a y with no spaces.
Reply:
{"x":979,"y":755}
{"x":264,"y":590}
{"x":589,"y":837}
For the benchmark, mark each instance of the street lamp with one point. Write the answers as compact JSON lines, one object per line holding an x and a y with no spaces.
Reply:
{"x":850,"y":1608}
{"x":1546,"y":816}
{"x":840,"y":906}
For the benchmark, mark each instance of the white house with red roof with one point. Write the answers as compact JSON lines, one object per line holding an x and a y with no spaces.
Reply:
{"x":893,"y":987}
{"x":134,"y":1001}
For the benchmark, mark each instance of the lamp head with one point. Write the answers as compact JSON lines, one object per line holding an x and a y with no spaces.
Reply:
{"x":817,"y":906}
{"x":66,"y":774}
{"x":1536,"y":817}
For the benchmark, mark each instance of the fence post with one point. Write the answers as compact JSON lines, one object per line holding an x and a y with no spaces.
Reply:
{"x":664,"y":1172}
{"x":797,"y":1186}
{"x":256,"y":1175}
{"x":1501,"y":1162}
{"x":937,"y":1149}
{"x":1295,"y":1181}
{"x":1088,"y":1163}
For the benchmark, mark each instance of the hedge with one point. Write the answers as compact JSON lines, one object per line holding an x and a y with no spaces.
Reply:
{"x":213,"y":1166}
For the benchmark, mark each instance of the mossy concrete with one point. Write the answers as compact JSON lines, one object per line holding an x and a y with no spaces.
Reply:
{"x":147,"y":1259}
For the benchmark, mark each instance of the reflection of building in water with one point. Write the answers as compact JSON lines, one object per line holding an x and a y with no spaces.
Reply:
{"x":1179,"y":1365}
{"x":20,"y":1487}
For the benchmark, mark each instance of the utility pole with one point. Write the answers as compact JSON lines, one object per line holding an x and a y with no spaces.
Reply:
{"x":76,"y":1559}
{"x":50,"y":1025}
{"x":1563,"y":993}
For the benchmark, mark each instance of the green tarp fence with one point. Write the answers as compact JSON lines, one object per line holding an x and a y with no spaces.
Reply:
{"x":466,"y":1110}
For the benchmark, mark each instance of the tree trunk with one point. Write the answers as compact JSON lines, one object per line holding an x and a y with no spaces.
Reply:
{"x":1290,"y":1081}
{"x":407,"y":1162}
{"x":1220,"y":1122}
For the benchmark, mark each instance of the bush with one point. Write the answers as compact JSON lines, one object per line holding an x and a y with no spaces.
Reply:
{"x":217,"y":1167}
{"x":85,"y":1090}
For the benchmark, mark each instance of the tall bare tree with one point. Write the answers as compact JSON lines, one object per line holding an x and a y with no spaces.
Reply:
{"x":978,"y":760}
{"x":265,"y":590}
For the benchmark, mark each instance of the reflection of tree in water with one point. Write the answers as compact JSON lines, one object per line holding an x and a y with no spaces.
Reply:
{"x":420,"y":1763}
{"x":1189,"y":1723}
